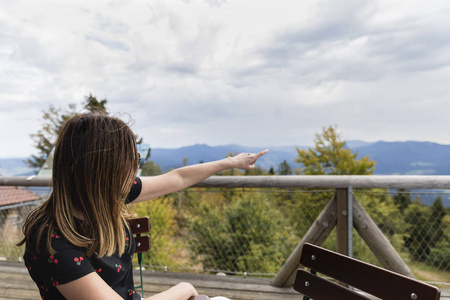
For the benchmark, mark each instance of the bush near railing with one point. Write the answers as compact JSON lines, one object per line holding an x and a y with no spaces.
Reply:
{"x":253,"y":231}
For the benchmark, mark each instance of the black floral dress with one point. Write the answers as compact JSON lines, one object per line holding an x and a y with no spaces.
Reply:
{"x":71,"y":263}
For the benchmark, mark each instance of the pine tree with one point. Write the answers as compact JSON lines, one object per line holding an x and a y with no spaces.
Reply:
{"x":284,"y":168}
{"x":437,"y":215}
{"x":92,"y":104}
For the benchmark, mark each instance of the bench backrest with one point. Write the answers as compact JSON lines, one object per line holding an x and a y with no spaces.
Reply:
{"x":139,"y":226}
{"x":374,"y":280}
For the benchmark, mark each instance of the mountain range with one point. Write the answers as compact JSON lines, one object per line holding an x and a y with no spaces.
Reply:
{"x":402,"y":158}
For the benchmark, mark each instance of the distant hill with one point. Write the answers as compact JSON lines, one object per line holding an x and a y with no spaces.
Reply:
{"x":406,"y":158}
{"x":173,"y":158}
{"x":402,"y":158}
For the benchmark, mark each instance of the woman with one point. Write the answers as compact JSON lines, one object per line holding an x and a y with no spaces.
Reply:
{"x":78,"y":244}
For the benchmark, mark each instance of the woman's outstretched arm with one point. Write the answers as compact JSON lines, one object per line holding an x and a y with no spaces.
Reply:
{"x":184,"y":177}
{"x":92,"y":286}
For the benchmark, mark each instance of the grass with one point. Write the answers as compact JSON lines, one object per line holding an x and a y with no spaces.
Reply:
{"x":430,"y":274}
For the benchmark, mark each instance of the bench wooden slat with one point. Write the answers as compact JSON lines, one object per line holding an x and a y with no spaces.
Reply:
{"x":374,"y":280}
{"x":142,"y":243}
{"x":139,"y":225}
{"x":320,"y":288}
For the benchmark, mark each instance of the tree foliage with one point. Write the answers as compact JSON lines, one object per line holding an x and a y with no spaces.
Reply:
{"x":150,"y":168}
{"x":284,"y":168}
{"x":161,"y":212}
{"x":402,"y":199}
{"x":44,"y":139}
{"x":93,"y":104}
{"x":330,"y":157}
{"x":250,"y":230}
{"x":53,"y":118}
{"x":425,"y":229}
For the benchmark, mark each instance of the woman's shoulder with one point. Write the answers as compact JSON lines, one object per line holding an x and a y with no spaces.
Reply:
{"x":62,"y":263}
{"x":41,"y":233}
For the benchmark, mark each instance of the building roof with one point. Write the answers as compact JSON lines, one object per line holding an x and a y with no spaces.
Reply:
{"x":13,"y":195}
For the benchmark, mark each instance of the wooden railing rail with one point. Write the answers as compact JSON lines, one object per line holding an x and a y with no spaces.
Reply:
{"x":343,"y":210}
{"x":291,"y":181}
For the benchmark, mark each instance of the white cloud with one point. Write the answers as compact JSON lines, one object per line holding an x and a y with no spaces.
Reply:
{"x":249,"y":72}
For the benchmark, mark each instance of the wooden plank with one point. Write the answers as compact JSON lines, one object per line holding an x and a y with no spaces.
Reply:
{"x":445,"y":294}
{"x":19,"y":294}
{"x":342,"y":223}
{"x":377,"y":242}
{"x":235,"y":283}
{"x":331,"y":181}
{"x":142,"y":243}
{"x":22,"y":285}
{"x":374,"y":280}
{"x":319,"y":288}
{"x":139,"y":225}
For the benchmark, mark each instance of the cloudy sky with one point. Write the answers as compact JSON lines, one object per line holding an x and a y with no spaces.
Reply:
{"x":252,"y":72}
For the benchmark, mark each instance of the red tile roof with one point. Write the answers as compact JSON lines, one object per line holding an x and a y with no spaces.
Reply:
{"x":13,"y":195}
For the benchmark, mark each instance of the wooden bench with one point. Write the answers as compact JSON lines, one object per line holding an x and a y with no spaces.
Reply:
{"x":353,"y":273}
{"x":139,"y":226}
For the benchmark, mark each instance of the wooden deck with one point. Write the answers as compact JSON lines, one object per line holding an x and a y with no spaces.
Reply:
{"x":15,"y":283}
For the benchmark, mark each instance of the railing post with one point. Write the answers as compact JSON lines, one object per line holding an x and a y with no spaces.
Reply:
{"x":350,"y":220}
{"x":344,"y":197}
{"x":316,"y":234}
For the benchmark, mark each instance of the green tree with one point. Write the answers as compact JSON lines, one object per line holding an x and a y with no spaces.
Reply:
{"x":284,"y":168}
{"x":328,"y":157}
{"x":256,"y":171}
{"x":44,"y":139}
{"x":165,"y":250}
{"x":150,"y":168}
{"x":437,"y":215}
{"x":250,"y":230}
{"x":402,"y":199}
{"x":417,"y":236}
{"x":53,"y":118}
{"x":425,"y":228}
{"x":271,"y":171}
{"x":332,"y":158}
{"x":93,"y":104}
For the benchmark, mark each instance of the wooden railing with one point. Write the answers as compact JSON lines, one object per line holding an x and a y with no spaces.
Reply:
{"x":342,"y":211}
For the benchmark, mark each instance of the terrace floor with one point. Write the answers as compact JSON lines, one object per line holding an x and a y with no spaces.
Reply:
{"x":15,"y":283}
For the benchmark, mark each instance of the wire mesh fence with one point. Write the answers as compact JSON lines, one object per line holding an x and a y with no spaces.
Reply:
{"x":11,"y":221}
{"x":251,"y":232}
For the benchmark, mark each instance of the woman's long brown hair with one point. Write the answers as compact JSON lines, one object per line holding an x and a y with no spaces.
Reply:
{"x":94,"y":165}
